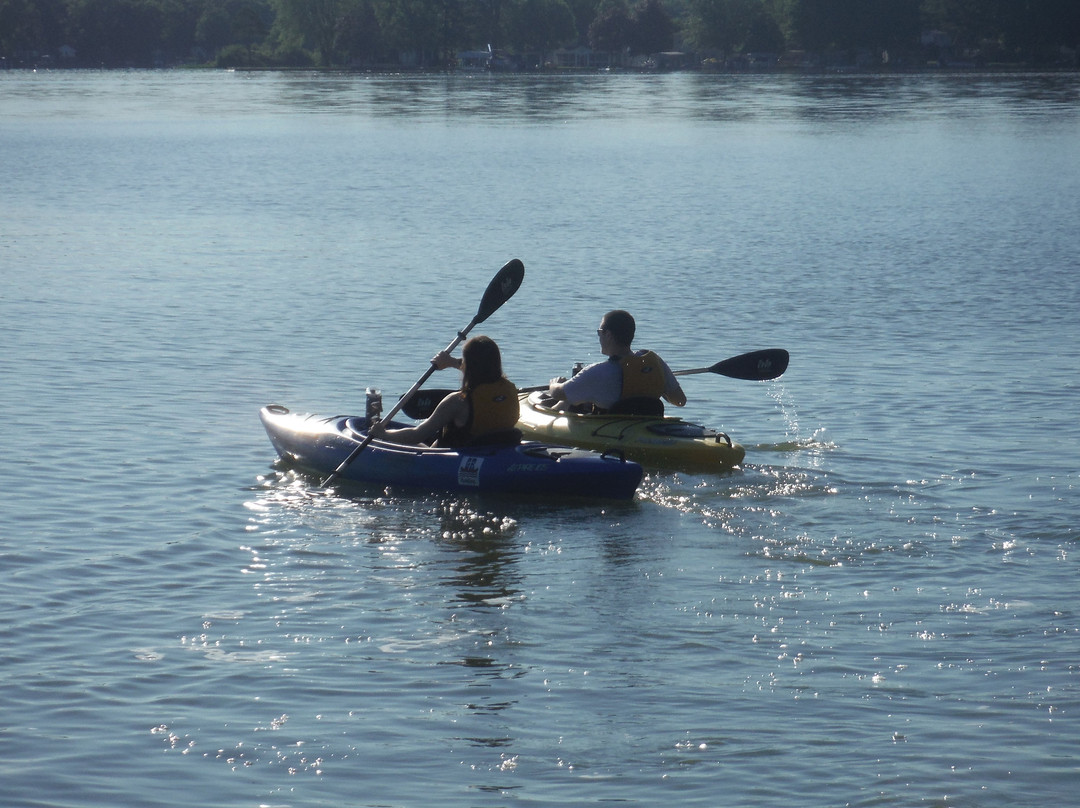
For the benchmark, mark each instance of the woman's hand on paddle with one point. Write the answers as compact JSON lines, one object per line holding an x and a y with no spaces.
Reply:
{"x":443,"y":360}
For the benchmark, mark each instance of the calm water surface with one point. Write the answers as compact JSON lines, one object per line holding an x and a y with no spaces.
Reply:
{"x":879,"y":609}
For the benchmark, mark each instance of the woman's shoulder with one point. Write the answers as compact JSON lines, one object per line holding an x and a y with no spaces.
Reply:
{"x":452,"y":402}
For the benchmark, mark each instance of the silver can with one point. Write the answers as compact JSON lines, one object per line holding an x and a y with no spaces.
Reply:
{"x":374,"y":404}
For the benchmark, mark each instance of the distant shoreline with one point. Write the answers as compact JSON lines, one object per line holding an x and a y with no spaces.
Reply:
{"x":387,"y":70}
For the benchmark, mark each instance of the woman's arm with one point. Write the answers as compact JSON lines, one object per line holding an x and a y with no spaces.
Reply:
{"x":451,"y":408}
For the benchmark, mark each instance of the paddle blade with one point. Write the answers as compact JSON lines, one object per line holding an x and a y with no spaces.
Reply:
{"x":502,"y":287}
{"x":423,"y":403}
{"x":756,"y":366}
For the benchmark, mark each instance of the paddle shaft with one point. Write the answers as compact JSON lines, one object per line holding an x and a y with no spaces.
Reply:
{"x":763,"y":365}
{"x":769,"y":363}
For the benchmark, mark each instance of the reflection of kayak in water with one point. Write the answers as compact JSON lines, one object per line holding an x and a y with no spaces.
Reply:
{"x":510,"y":467}
{"x":655,"y":441}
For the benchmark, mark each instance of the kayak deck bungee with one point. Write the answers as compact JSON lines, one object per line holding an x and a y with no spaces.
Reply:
{"x":530,"y":468}
{"x":664,"y":442}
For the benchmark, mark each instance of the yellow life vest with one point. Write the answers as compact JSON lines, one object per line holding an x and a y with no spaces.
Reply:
{"x":493,"y":407}
{"x":642,"y":376}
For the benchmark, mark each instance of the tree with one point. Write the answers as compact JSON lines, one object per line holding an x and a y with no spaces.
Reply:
{"x":178,"y":21}
{"x":248,"y":27}
{"x":313,"y":21}
{"x":889,"y":23}
{"x":848,"y":24}
{"x":213,"y":29}
{"x":653,"y":30}
{"x":20,"y":27}
{"x":734,"y":26}
{"x":490,"y":21}
{"x":359,"y":35}
{"x":822,"y":25}
{"x":763,"y":34}
{"x":966,"y":21}
{"x":541,"y":25}
{"x":411,"y":25}
{"x":612,"y":30}
{"x":115,"y":33}
{"x":1032,"y":31}
{"x":31,"y":25}
{"x":584,"y":14}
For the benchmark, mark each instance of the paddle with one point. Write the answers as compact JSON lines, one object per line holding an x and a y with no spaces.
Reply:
{"x":502,"y":287}
{"x":424,"y":402}
{"x":756,"y":366}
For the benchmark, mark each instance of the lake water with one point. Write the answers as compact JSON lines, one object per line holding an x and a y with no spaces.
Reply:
{"x":879,"y":609}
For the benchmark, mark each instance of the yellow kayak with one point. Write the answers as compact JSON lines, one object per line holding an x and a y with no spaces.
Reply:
{"x":662,"y":442}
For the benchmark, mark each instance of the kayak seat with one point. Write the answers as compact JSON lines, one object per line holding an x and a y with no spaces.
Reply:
{"x":639,"y":405}
{"x":505,"y":437}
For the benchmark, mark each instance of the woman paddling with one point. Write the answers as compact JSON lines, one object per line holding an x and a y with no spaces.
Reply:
{"x":484,"y":410}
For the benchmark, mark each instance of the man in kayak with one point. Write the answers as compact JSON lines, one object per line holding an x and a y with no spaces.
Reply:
{"x":484,"y":410}
{"x":629,"y":381}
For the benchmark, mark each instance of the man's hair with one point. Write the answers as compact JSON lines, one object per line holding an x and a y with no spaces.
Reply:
{"x":621,"y":325}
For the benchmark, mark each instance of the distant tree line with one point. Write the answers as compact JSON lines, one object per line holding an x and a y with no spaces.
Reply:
{"x":429,"y":33}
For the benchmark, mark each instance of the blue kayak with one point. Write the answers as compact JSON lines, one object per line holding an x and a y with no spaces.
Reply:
{"x":321,"y":444}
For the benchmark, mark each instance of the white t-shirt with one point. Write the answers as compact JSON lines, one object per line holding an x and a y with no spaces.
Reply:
{"x":601,"y":383}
